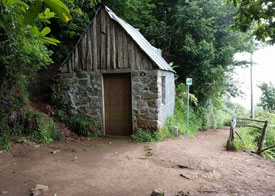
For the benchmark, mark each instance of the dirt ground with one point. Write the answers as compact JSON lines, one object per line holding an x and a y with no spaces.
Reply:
{"x":119,"y":167}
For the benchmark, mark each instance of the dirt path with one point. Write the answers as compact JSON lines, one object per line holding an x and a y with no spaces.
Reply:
{"x":119,"y":167}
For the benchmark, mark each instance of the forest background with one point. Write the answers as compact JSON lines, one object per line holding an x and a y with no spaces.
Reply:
{"x":198,"y":38}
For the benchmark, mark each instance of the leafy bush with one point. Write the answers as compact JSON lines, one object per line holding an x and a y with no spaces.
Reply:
{"x":248,"y":137}
{"x":143,"y":136}
{"x":45,"y":131}
{"x":36,"y":126}
{"x":80,"y":125}
{"x":5,"y":141}
{"x":180,"y":115}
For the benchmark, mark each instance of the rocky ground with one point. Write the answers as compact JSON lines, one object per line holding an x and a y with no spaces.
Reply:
{"x":118,"y":167}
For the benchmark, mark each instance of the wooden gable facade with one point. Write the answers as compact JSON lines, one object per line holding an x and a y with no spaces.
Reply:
{"x":105,"y":45}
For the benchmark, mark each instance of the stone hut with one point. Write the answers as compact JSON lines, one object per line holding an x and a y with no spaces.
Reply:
{"x":117,"y":78}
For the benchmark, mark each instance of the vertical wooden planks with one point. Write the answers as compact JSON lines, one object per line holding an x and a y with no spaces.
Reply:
{"x":94,"y":44}
{"x":116,"y":31}
{"x":98,"y":39}
{"x":125,"y":51}
{"x":70,"y":64}
{"x":144,"y":61}
{"x":150,"y":64}
{"x":76,"y":59}
{"x":72,"y":61}
{"x":138,"y":59}
{"x":108,"y":44}
{"x":83,"y":53}
{"x":120,"y":48}
{"x":79,"y":51}
{"x":112,"y":45}
{"x":103,"y":55}
{"x":89,"y":50}
{"x":131,"y":54}
{"x":64,"y":68}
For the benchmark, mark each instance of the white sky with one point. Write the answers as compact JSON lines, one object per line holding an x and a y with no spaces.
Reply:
{"x":263,"y":71}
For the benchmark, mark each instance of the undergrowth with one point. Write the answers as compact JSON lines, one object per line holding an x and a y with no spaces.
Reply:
{"x":79,"y":125}
{"x":213,"y":115}
{"x":27,"y":122}
{"x":252,"y":135}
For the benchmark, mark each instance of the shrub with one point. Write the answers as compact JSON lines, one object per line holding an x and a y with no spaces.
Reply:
{"x":79,"y":125}
{"x":46,"y":133}
{"x":43,"y":129}
{"x":143,"y":136}
{"x":5,"y":141}
{"x":28,"y":122}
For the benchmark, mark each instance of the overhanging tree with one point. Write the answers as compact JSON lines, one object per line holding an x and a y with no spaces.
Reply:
{"x":256,"y":15}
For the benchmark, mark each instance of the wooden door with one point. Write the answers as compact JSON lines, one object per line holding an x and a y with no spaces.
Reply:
{"x":118,"y":104}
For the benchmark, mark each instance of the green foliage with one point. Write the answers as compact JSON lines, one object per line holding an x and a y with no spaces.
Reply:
{"x":36,"y":126}
{"x":251,"y":135}
{"x":5,"y":141}
{"x":44,"y":130}
{"x":81,"y":126}
{"x":82,"y":12}
{"x":248,"y":135}
{"x":197,"y":37}
{"x":148,"y":136}
{"x":182,"y":95}
{"x":256,"y":15}
{"x":143,"y":136}
{"x":268,"y":96}
{"x":23,"y":52}
{"x":23,"y":57}
{"x":16,"y":14}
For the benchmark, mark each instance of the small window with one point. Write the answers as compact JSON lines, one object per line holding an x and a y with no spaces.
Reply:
{"x":163,"y":93}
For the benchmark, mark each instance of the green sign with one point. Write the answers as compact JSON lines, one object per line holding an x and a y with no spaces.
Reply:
{"x":189,"y":81}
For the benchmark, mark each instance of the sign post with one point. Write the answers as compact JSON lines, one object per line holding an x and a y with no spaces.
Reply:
{"x":188,"y":83}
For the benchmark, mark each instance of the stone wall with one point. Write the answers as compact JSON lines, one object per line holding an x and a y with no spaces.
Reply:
{"x":80,"y":93}
{"x":145,"y":100}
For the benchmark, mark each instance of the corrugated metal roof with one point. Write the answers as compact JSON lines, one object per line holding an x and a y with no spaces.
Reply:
{"x":141,"y":41}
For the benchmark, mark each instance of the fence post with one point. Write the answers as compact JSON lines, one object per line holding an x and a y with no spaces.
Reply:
{"x":261,"y":140}
{"x":229,"y":145}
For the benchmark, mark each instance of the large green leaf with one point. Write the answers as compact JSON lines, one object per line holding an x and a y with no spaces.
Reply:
{"x":32,"y":12}
{"x":59,"y":8}
{"x":45,"y":31}
{"x":50,"y":40}
{"x":34,"y":31}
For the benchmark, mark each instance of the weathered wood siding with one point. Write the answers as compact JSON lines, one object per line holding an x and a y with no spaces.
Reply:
{"x":106,"y":46}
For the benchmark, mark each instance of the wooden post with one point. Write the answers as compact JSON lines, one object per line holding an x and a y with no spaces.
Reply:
{"x":251,"y":86}
{"x":261,"y":140}
{"x":229,"y":143}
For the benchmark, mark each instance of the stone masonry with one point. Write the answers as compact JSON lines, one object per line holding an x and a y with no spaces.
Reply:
{"x":81,"y":93}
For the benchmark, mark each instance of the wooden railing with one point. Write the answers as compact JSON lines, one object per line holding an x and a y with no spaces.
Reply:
{"x":233,"y":133}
